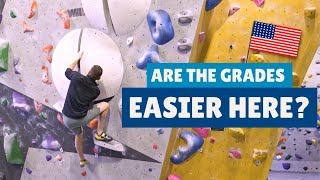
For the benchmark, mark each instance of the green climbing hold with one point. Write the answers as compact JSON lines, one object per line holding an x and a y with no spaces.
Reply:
{"x":4,"y":49}
{"x":12,"y":149}
{"x":4,"y":102}
{"x":288,"y":157}
{"x":43,"y":115}
{"x":13,"y":14}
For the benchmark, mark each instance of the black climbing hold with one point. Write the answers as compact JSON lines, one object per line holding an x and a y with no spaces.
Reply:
{"x":288,"y":157}
{"x":217,"y":129}
{"x":303,"y":86}
{"x":283,"y":147}
{"x":298,"y":156}
{"x":231,"y":46}
{"x":308,"y":131}
{"x":286,"y":166}
{"x":305,"y":168}
{"x":308,"y":142}
{"x":150,"y":169}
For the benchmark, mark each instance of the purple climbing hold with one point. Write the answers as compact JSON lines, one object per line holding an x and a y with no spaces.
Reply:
{"x":20,"y":102}
{"x":150,"y":169}
{"x":210,"y":4}
{"x":298,"y":156}
{"x":50,"y":142}
{"x":48,"y":157}
{"x":151,"y":56}
{"x":28,"y":170}
{"x":160,"y":26}
{"x":286,"y":166}
{"x":194,"y":143}
{"x":160,"y":131}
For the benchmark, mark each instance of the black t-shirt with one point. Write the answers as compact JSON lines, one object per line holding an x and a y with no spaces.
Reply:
{"x":82,"y":92}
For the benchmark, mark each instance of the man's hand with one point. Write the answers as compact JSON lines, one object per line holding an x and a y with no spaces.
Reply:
{"x":78,"y":57}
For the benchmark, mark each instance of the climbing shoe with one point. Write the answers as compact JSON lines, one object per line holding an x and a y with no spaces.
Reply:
{"x":103,"y":137}
{"x":83,"y":162}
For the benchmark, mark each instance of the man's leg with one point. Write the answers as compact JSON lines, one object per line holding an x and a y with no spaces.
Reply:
{"x":79,"y":145}
{"x":102,"y":120}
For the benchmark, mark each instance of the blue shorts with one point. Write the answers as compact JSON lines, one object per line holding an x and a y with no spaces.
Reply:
{"x":75,"y":125}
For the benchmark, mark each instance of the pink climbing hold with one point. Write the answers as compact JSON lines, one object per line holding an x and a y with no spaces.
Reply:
{"x":173,"y":177}
{"x":201,"y":37}
{"x":60,"y":119}
{"x":155,"y":146}
{"x":38,"y":106}
{"x":212,"y":140}
{"x":45,"y":78}
{"x":233,"y":10}
{"x":258,"y":2}
{"x":203,"y":132}
{"x":235,"y":153}
{"x":26,"y":28}
{"x":46,"y":100}
{"x":243,"y":59}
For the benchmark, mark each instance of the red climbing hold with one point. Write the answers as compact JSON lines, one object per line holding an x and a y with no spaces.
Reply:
{"x":282,"y":140}
{"x":279,"y":153}
{"x":33,"y":9}
{"x":155,"y":146}
{"x":84,"y":173}
{"x":38,"y":106}
{"x":46,"y":100}
{"x":64,"y":16}
{"x":46,"y":50}
{"x":212,"y":140}
{"x":26,"y":28}
{"x":60,"y":119}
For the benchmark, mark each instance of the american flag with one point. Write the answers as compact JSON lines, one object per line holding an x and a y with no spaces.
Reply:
{"x":275,"y":39}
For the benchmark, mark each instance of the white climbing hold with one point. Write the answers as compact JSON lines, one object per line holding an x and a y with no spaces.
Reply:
{"x":130,"y":41}
{"x":233,"y":10}
{"x":200,"y":150}
{"x":279,"y":157}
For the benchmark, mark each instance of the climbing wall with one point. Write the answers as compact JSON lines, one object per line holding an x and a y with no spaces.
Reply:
{"x":223,"y":35}
{"x":30,"y":74}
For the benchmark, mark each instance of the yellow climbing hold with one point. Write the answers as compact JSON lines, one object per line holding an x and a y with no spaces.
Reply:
{"x":236,"y":132}
{"x":309,"y":75}
{"x":314,"y":142}
{"x":318,"y":122}
{"x":310,"y":12}
{"x":258,"y":58}
{"x":259,"y":156}
{"x":295,"y":79}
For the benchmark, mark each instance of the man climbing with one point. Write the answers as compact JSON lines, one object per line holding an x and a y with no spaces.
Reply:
{"x":79,"y":108}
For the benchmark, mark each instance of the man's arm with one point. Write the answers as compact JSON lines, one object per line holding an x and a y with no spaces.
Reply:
{"x":75,"y":62}
{"x":69,"y":73}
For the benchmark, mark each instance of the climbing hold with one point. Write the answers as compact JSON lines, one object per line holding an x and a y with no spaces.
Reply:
{"x":258,"y":2}
{"x":200,"y":150}
{"x":64,"y":16}
{"x":26,"y":28}
{"x":279,"y":157}
{"x":120,"y":106}
{"x":48,"y":157}
{"x":37,"y":106}
{"x":46,"y":50}
{"x":19,"y":102}
{"x":28,"y":170}
{"x":203,"y":132}
{"x":286,"y":166}
{"x":310,"y":12}
{"x":46,"y":100}
{"x":13,"y":14}
{"x":185,"y":18}
{"x":288,"y":157}
{"x":12,"y":149}
{"x":160,"y":131}
{"x":282,"y":141}
{"x":201,"y":37}
{"x":50,"y":142}
{"x":243,"y":59}
{"x":4,"y":50}
{"x":237,"y":133}
{"x":283,"y":147}
{"x":155,"y":146}
{"x":212,"y":140}
{"x":59,"y":118}
{"x":298,"y":156}
{"x":314,"y":142}
{"x":295,"y":79}
{"x":59,"y":158}
{"x":305,"y":168}
{"x":279,"y":153}
{"x":151,"y":56}
{"x":160,"y":26}
{"x":45,"y":78}
{"x":15,"y":64}
{"x":173,"y":177}
{"x":4,"y":102}
{"x":233,"y":10}
{"x":308,"y":142}
{"x":150,"y":169}
{"x":210,"y":4}
{"x":33,"y":9}
{"x":84,"y":173}
{"x":193,"y":141}
{"x":309,"y":75}
{"x":258,"y":58}
{"x":307,"y":131}
{"x":93,"y":124}
{"x":259,"y":156}
{"x":43,"y":115}
{"x":130,"y":41}
{"x":184,"y":45}
{"x":235,"y":153}
{"x":61,"y":150}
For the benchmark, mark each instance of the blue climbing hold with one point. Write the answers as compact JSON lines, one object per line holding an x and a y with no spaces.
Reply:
{"x":210,"y":4}
{"x":160,"y":26}
{"x":151,"y":56}
{"x":286,"y":166}
{"x":194,"y":143}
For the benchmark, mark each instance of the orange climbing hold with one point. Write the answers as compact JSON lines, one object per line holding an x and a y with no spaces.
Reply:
{"x":59,"y":158}
{"x":84,"y":173}
{"x":45,"y":78}
{"x":64,"y":16}
{"x":33,"y":9}
{"x":46,"y":100}
{"x":46,"y":50}
{"x":279,"y":153}
{"x":26,"y":28}
{"x":93,"y":124}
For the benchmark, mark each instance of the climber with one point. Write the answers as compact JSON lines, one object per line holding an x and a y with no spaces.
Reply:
{"x":79,"y":108}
